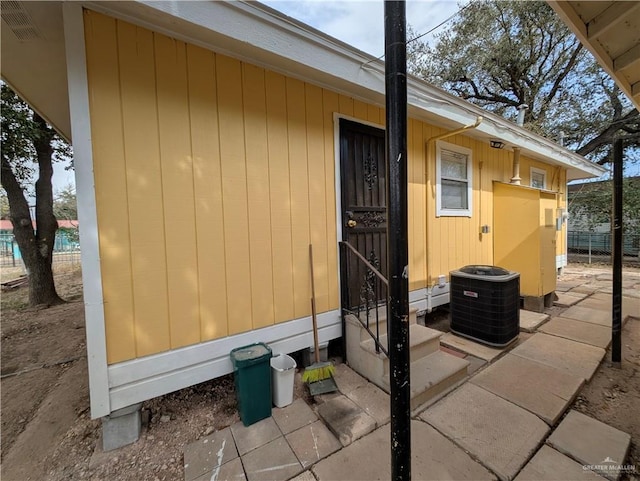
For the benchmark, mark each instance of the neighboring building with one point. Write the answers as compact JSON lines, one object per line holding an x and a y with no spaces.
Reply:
{"x":589,"y":222}
{"x":215,"y":141}
{"x":63,"y":242}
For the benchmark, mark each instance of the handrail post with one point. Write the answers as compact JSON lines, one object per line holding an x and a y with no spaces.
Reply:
{"x":395,"y":24}
{"x":616,"y":328}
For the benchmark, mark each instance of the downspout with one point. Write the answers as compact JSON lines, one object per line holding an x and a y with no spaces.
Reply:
{"x":456,"y":131}
{"x":516,"y":150}
{"x":516,"y":166}
{"x":430,"y":142}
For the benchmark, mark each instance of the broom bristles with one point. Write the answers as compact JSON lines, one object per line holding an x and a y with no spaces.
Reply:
{"x":318,"y":372}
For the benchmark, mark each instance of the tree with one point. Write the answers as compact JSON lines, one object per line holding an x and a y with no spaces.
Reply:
{"x":65,"y":207}
{"x":4,"y":205}
{"x":29,"y":145}
{"x":590,"y":205}
{"x":64,"y":204}
{"x":502,"y":54}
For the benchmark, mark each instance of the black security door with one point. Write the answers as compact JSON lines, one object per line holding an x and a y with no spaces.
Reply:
{"x":364,"y":208}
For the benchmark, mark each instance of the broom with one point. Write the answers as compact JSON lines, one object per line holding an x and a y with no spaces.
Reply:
{"x":318,"y":371}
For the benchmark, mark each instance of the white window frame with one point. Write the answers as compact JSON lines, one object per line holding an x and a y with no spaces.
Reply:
{"x":535,"y":170}
{"x":443,"y":212}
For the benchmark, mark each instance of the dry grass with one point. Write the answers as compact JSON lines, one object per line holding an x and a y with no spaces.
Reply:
{"x":67,"y":276}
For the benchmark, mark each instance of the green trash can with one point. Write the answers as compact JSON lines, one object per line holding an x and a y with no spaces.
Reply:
{"x":252,"y":375}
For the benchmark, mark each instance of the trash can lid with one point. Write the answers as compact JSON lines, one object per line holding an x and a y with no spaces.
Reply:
{"x":247,"y":355}
{"x":480,"y":270}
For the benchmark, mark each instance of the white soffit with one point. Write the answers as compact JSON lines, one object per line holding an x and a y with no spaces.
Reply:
{"x":611,"y":31}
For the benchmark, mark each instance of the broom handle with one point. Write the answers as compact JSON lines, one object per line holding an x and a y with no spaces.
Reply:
{"x":313,"y":308}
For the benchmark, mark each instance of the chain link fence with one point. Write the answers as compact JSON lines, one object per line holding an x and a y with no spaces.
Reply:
{"x":66,"y":249}
{"x":597,"y":247}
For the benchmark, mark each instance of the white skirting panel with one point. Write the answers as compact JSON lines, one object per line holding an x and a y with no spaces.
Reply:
{"x":427,"y":299}
{"x":140,"y":379}
{"x":561,"y":261}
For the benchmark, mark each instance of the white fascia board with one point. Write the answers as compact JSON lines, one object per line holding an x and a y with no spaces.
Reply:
{"x":435,"y":101}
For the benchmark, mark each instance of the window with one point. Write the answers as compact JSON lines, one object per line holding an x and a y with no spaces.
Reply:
{"x":453,"y":178}
{"x":538,"y":178}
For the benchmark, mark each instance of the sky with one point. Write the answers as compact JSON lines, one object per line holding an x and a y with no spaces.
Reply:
{"x":360,"y":23}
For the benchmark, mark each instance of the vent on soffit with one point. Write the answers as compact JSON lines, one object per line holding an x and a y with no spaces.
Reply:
{"x":18,"y":20}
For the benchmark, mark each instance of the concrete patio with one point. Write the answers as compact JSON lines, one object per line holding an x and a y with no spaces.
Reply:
{"x":508,"y":420}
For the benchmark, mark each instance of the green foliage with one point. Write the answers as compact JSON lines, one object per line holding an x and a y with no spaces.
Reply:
{"x":19,"y":129}
{"x":591,"y":205}
{"x":4,"y":205}
{"x":501,"y":54}
{"x":64,"y":204}
{"x":71,"y":234}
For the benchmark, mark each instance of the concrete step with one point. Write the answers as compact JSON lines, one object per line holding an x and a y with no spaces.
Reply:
{"x":382,"y":321}
{"x":433,"y":375}
{"x":422,"y":342}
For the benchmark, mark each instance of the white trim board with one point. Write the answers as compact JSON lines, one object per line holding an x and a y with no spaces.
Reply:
{"x":151,"y":376}
{"x":85,"y":192}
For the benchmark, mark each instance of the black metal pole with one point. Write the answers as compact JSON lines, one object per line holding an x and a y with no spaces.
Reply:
{"x":397,"y":245}
{"x":616,"y":331}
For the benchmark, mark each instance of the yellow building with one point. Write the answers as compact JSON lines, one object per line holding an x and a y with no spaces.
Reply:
{"x":214,"y":142}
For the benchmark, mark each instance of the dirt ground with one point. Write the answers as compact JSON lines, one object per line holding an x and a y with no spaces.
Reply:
{"x":47,"y":433}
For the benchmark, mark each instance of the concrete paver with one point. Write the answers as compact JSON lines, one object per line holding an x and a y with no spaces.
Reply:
{"x":258,"y":434}
{"x":306,"y":476}
{"x":498,"y":433}
{"x":585,"y":332}
{"x":434,"y":457}
{"x":374,"y":401}
{"x":275,"y":461}
{"x":565,"y":286}
{"x":530,"y":321}
{"x":491,"y":417}
{"x":573,"y":357}
{"x":591,"y":442}
{"x":585,"y":289}
{"x":470,"y":347}
{"x":347,"y":379}
{"x":603,"y":302}
{"x":208,"y":453}
{"x":538,"y":388}
{"x":567,"y":299}
{"x":231,"y":471}
{"x":313,"y":443}
{"x":587,"y":314}
{"x":346,"y":419}
{"x":475,"y":363}
{"x":550,"y":465}
{"x":294,"y":416}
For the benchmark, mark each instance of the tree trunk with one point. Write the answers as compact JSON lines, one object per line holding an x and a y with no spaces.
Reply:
{"x":36,"y":246}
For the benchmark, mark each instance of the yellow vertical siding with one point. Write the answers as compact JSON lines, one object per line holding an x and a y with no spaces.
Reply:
{"x":280,"y":203}
{"x":108,"y":143}
{"x":144,"y":189}
{"x":234,"y":193}
{"x":213,"y":176}
{"x":299,"y":188}
{"x":207,"y":188}
{"x":317,"y":193}
{"x":177,"y":187}
{"x":330,"y":104}
{"x":260,"y":260}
